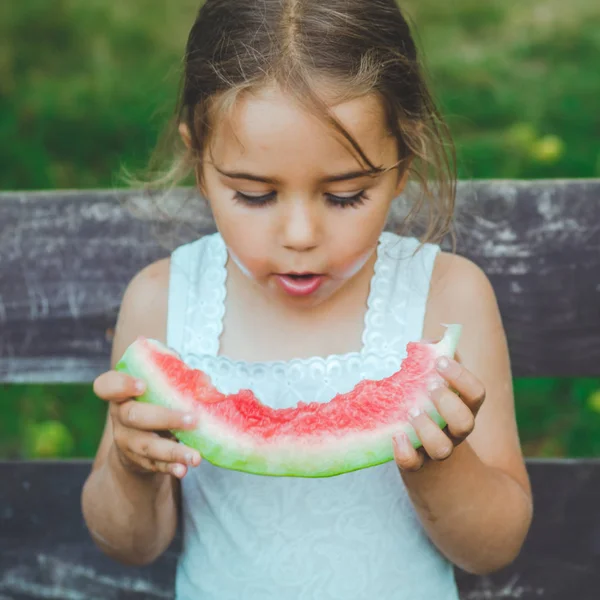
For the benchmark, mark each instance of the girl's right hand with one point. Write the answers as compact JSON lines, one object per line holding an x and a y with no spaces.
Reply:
{"x":141,"y":431}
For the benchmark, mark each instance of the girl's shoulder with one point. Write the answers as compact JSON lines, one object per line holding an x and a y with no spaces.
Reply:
{"x":455,"y":271}
{"x":460,"y":292}
{"x":143,"y":309}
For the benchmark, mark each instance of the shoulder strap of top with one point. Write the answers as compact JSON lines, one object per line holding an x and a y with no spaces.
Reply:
{"x":404,"y":281}
{"x":196,"y":290}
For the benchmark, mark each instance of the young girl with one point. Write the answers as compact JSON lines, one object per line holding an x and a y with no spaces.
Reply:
{"x":302,"y":120}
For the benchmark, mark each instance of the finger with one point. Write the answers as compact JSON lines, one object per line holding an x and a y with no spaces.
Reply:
{"x":435,"y":442}
{"x":149,"y":417}
{"x":405,"y":455}
{"x":459,"y":419}
{"x":155,"y":448}
{"x":471,"y":390}
{"x":113,"y":386}
{"x":148,"y":465}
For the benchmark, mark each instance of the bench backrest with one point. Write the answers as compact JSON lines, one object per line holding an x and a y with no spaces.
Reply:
{"x":66,"y":258}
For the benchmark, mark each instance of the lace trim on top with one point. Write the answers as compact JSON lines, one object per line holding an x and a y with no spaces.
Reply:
{"x":206,"y":297}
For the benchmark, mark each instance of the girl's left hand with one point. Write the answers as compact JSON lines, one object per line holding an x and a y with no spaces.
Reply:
{"x":457,"y":409}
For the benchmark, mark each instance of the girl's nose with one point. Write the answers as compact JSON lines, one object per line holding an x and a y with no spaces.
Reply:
{"x":300,"y":225}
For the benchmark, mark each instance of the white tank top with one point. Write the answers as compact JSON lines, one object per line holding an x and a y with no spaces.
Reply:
{"x":355,"y":536}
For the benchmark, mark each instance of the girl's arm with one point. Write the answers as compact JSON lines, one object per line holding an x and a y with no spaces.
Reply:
{"x":474,"y":500}
{"x":132,"y":516}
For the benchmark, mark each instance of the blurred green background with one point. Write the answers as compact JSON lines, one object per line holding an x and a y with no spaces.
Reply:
{"x":86,"y":86}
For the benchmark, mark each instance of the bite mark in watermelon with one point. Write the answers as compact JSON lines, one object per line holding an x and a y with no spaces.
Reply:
{"x":236,"y":431}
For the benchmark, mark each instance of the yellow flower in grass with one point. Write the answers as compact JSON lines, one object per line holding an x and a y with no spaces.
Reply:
{"x":594,"y":401}
{"x":548,"y":149}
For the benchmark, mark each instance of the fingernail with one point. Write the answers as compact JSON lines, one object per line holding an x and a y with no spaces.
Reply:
{"x":190,"y":458}
{"x":414,"y":412}
{"x":179,"y":470}
{"x":140,"y":386}
{"x":443,"y":364}
{"x":432,"y":386}
{"x":188,"y":419}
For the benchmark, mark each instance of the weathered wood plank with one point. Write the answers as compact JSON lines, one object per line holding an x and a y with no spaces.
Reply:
{"x":46,"y":552}
{"x":66,"y":258}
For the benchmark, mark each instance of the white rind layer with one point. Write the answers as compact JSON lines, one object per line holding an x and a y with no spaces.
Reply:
{"x":296,"y":456}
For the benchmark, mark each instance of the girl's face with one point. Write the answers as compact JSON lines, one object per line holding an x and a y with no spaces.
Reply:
{"x":290,"y":199}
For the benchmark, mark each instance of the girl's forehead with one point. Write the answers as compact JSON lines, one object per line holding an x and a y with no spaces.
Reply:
{"x":271,"y":125}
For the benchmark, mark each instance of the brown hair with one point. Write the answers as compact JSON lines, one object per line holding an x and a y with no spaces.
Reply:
{"x":355,"y":47}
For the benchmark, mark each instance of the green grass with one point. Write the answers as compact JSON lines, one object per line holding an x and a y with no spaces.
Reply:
{"x":91,"y":86}
{"x":86,"y":86}
{"x":501,"y":68}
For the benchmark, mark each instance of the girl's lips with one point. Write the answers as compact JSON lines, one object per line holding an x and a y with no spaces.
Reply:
{"x":300,"y":286}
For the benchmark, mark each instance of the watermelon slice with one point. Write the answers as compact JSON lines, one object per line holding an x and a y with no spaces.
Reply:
{"x":235,"y":431}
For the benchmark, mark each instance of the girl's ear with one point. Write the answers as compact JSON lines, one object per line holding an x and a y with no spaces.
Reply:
{"x":184,"y":132}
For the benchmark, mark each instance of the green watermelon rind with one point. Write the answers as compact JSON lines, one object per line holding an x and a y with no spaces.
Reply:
{"x":219,"y":456}
{"x":376,"y":448}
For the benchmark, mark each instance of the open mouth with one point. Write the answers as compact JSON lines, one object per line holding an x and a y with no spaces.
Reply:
{"x":300,"y":284}
{"x":300,"y":276}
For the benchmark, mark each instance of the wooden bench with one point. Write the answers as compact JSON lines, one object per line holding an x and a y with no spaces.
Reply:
{"x":65,"y":258}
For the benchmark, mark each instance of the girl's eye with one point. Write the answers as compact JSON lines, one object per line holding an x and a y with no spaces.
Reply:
{"x":339,"y":201}
{"x":254,"y":200}
{"x":347,"y":201}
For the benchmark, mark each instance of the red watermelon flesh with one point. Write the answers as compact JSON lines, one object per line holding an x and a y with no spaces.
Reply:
{"x":352,"y":431}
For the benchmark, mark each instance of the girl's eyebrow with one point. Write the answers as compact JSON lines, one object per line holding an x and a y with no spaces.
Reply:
{"x":330,"y":179}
